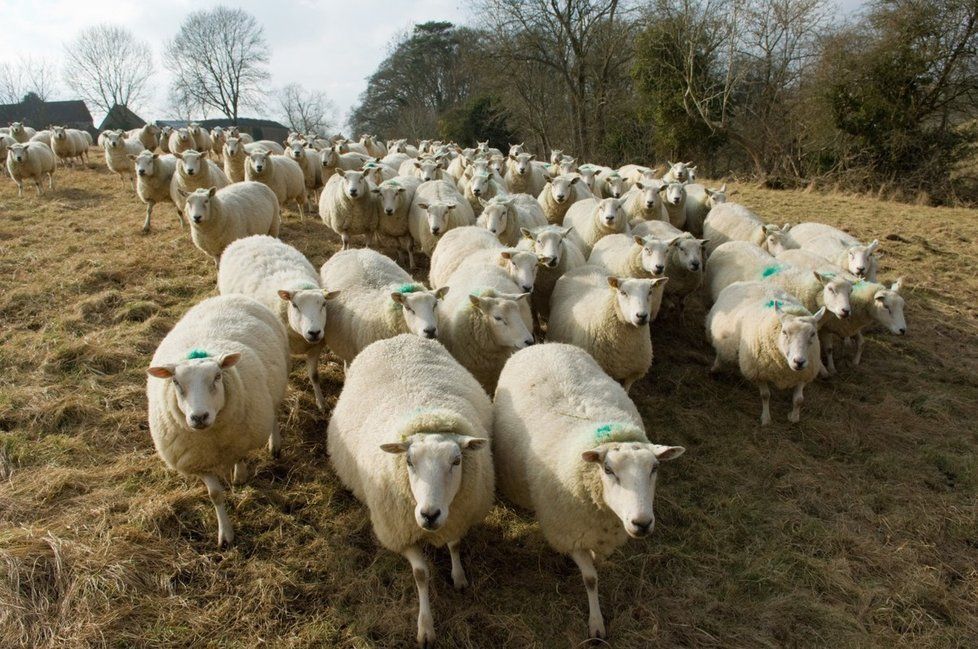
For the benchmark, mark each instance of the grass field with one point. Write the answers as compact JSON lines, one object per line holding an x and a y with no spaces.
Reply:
{"x":857,"y":527}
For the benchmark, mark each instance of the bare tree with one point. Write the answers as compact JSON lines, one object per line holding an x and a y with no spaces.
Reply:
{"x":307,"y":111}
{"x":27,"y":75}
{"x":108,"y":65}
{"x":219,"y":60}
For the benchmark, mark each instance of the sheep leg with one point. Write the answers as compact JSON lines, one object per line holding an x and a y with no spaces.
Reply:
{"x":828,"y":344}
{"x":765,"y":391}
{"x":302,"y":209}
{"x":51,"y":181}
{"x":225,"y":534}
{"x":458,"y":572}
{"x":312,"y":369}
{"x":275,"y":441}
{"x":717,"y":365}
{"x":346,"y":240}
{"x":410,"y":252}
{"x":132,"y":183}
{"x":240,"y":473}
{"x":860,"y":341}
{"x":37,"y":185}
{"x":628,"y":381}
{"x":585,"y":562}
{"x":797,"y":399}
{"x":20,"y":188}
{"x":149,"y":213}
{"x":419,"y":566}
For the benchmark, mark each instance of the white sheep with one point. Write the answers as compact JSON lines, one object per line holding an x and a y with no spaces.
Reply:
{"x":282,"y":174}
{"x":734,"y":222}
{"x":609,"y":183}
{"x":770,"y":336}
{"x":214,"y":389}
{"x":245,"y":138}
{"x":485,"y":319}
{"x":558,"y":255}
{"x":680,"y":172}
{"x":608,"y":317}
{"x":154,"y":177}
{"x":193,"y":171}
{"x":219,"y":216}
{"x":673,"y":203}
{"x":164,"y":145}
{"x":148,"y":136}
{"x":282,"y":279}
{"x":629,"y":255}
{"x":570,"y":446}
{"x":311,"y":164}
{"x":200,"y":136}
{"x":559,"y":194}
{"x":68,"y":144}
{"x":377,"y":172}
{"x":5,"y":142}
{"x":395,"y":160}
{"x":426,"y":169}
{"x":394,"y":198}
{"x":118,"y":148}
{"x":522,"y":176}
{"x":374,"y":148}
{"x":475,"y":245}
{"x":180,"y":140}
{"x":479,"y":184}
{"x":42,"y":136}
{"x":377,"y":299}
{"x":409,"y":436}
{"x":840,"y":248}
{"x":236,"y":151}
{"x":643,"y":202}
{"x":30,"y":161}
{"x":218,"y":137}
{"x":633,"y":173}
{"x":437,"y":208}
{"x":348,"y":207}
{"x":594,"y":218}
{"x":20,"y":132}
{"x":506,"y":216}
{"x":685,"y":264}
{"x":699,"y":201}
{"x":333,"y":160}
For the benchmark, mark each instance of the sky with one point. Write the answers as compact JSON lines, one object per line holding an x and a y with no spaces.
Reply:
{"x":328,"y":45}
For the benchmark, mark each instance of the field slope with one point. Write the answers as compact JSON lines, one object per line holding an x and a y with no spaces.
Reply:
{"x":857,"y":527}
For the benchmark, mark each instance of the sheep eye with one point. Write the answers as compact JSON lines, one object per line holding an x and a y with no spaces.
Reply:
{"x":498,"y":319}
{"x":456,"y":461}
{"x":654,"y":470}
{"x":608,"y":470}
{"x":410,"y":463}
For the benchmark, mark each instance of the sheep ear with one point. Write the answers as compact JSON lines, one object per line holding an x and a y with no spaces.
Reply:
{"x":506,"y":254}
{"x":476,"y":301}
{"x":472,"y":443}
{"x":286,"y":295}
{"x":131,"y":156}
{"x":614,"y":282}
{"x":640,"y":185}
{"x":340,"y":171}
{"x":162,"y":371}
{"x":671,"y":164}
{"x":397,"y":297}
{"x":182,"y":193}
{"x":526,"y":233}
{"x":533,"y":156}
{"x":666,"y":453}
{"x":395,"y":448}
{"x":656,"y":281}
{"x":639,"y":240}
{"x":871,"y":248}
{"x":822,"y":277}
{"x":229,"y":360}
{"x":329,"y":295}
{"x":785,"y":227}
{"x":156,"y":156}
{"x":375,"y":190}
{"x":574,"y":180}
{"x":709,"y":192}
{"x":212,"y":191}
{"x":818,"y":315}
{"x":567,"y":230}
{"x":593,"y":456}
{"x":897,"y":285}
{"x":440,"y":293}
{"x":723,"y":187}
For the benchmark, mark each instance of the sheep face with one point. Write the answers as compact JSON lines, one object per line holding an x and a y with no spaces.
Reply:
{"x":859,"y":259}
{"x":428,"y":169}
{"x":296,"y":150}
{"x":650,"y":194}
{"x":504,"y":318}
{"x":16,"y":128}
{"x":259,"y":161}
{"x":521,"y":163}
{"x":688,"y":253}
{"x":192,"y":162}
{"x":547,"y":244}
{"x":716,"y":196}
{"x":614,"y":185}
{"x":331,"y":157}
{"x":420,"y":310}
{"x":634,"y":298}
{"x":610,"y":215}
{"x":145,"y":163}
{"x":655,"y":254}
{"x":18,"y":152}
{"x":183,"y":135}
{"x":307,"y":312}
{"x":198,"y":205}
{"x":479,"y":183}
{"x":354,"y":183}
{"x":516,"y":149}
{"x":775,"y":239}
{"x":567,"y":165}
{"x":231,"y":147}
{"x":113,"y":139}
{"x":437,"y":214}
{"x":58,"y":133}
{"x":521,"y":266}
{"x":680,"y":171}
{"x":673,"y":193}
{"x":888,"y":308}
{"x":495,"y":215}
{"x":199,"y":387}
{"x":798,"y":335}
{"x":434,"y":466}
{"x":628,"y":475}
{"x":555,"y":156}
{"x":390,"y":197}
{"x":836,"y":294}
{"x":560,"y":187}
{"x":498,"y":164}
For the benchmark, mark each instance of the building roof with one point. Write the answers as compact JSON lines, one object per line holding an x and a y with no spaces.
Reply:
{"x":120,"y":117}
{"x":39,"y":114}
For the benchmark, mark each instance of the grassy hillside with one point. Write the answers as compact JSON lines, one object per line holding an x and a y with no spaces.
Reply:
{"x":856,"y":527}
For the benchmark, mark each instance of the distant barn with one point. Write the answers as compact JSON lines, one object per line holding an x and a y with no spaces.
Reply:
{"x":40,"y":114}
{"x":260,"y":129}
{"x":121,"y":118}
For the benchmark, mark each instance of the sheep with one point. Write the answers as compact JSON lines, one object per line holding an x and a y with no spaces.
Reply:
{"x":571,"y":447}
{"x":282,"y":174}
{"x":506,"y":216}
{"x":245,"y":138}
{"x":218,"y":137}
{"x":409,"y":436}
{"x":437,"y":208}
{"x":312,"y":168}
{"x":42,"y":136}
{"x":154,"y":177}
{"x":282,"y":279}
{"x":201,"y":138}
{"x":734,"y":222}
{"x":685,"y":264}
{"x":557,"y":254}
{"x":770,"y":336}
{"x":394,"y":202}
{"x":673,"y":203}
{"x":637,"y":173}
{"x":22,"y":134}
{"x":595,"y":218}
{"x":839,"y":248}
{"x":219,"y":216}
{"x":348,"y":207}
{"x":236,"y":151}
{"x":680,"y":172}
{"x":486,"y":318}
{"x":68,"y":144}
{"x":5,"y":142}
{"x":333,"y":160}
{"x":117,"y":151}
{"x":474,"y":245}
{"x":194,"y":171}
{"x":608,"y":183}
{"x":478,"y":185}
{"x":180,"y":140}
{"x":699,"y":201}
{"x":643,"y":202}
{"x":559,"y":194}
{"x":377,"y":299}
{"x":394,"y":160}
{"x":426,"y":169}
{"x":214,"y":388}
{"x":521,"y":176}
{"x":608,"y":317}
{"x":148,"y":136}
{"x":164,"y":145}
{"x":30,"y":161}
{"x":374,"y":148}
{"x":626,"y":255}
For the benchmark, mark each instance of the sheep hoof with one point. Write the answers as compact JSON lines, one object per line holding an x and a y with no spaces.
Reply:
{"x":597,"y":632}
{"x":794,"y":417}
{"x":224,"y":538}
{"x":461,"y":583}
{"x":426,"y":637}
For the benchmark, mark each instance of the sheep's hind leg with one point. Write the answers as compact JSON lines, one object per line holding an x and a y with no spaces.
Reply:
{"x":595,"y":623}
{"x":765,"y":391}
{"x":426,"y":624}
{"x":275,"y":441}
{"x":860,"y":341}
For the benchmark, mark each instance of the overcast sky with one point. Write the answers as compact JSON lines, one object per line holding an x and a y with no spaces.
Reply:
{"x":330,"y":45}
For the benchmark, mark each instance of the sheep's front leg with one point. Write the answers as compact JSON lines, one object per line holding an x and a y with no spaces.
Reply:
{"x":797,"y":399}
{"x":860,"y":341}
{"x":585,"y":562}
{"x":312,"y":370}
{"x":419,"y":566}
{"x":301,"y":207}
{"x":20,"y":188}
{"x":225,"y":534}
{"x":458,"y":572}
{"x":410,"y":252}
{"x":275,"y":441}
{"x":240,"y":473}
{"x":149,"y":214}
{"x":765,"y":403}
{"x":828,"y":344}
{"x":717,"y":365}
{"x":37,"y":185}
{"x":346,"y":240}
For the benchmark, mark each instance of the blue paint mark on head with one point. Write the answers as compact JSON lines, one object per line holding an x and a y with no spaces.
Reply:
{"x":197,"y":353}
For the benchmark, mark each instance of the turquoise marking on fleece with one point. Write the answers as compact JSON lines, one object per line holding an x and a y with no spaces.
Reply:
{"x":308,"y":287}
{"x":408,"y":288}
{"x":617,"y":433}
{"x":772,"y":303}
{"x":773,"y":269}
{"x":197,"y":353}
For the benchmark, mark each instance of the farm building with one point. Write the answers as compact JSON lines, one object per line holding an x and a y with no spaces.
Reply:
{"x":37,"y":113}
{"x":120,"y":117}
{"x":260,"y":129}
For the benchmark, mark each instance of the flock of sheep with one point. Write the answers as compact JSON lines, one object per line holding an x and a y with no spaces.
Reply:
{"x":520,"y":251}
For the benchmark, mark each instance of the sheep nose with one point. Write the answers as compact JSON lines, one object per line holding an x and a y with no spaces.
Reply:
{"x":430,"y":332}
{"x":560,"y":198}
{"x":197,"y":218}
{"x":528,"y":342}
{"x":694,"y":265}
{"x":435,"y":230}
{"x":845,"y":312}
{"x":860,"y":270}
{"x":799,"y":363}
{"x":642,"y":318}
{"x":642,"y":527}
{"x":388,"y":212}
{"x":199,"y":420}
{"x":190,"y":172}
{"x":313,"y":335}
{"x":648,"y":204}
{"x":353,"y":193}
{"x":659,"y":268}
{"x":527,"y":289}
{"x":142,"y":172}
{"x":903,"y":330}
{"x":476,"y":191}
{"x":430,"y":518}
{"x":609,"y":220}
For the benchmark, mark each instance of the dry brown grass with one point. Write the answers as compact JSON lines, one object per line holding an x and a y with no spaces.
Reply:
{"x":856,"y":527}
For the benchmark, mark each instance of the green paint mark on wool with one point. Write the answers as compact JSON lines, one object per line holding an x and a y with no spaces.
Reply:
{"x":617,"y":433}
{"x":774,"y":269}
{"x":408,"y":288}
{"x":308,"y":287}
{"x":197,"y":353}
{"x":772,"y":304}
